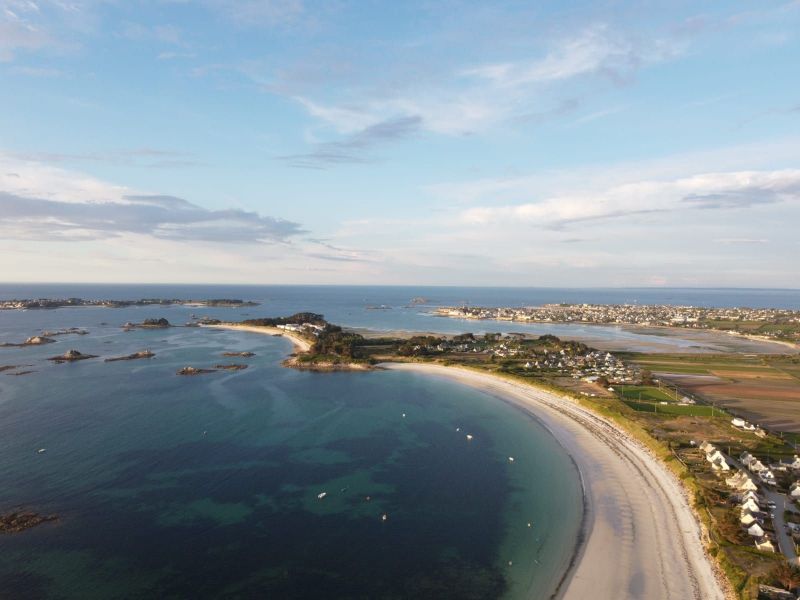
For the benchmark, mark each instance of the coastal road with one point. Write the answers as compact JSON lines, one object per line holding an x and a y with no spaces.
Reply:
{"x":784,"y":539}
{"x":641,"y":539}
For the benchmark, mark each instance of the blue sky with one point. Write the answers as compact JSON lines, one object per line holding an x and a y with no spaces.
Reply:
{"x":505,"y":143}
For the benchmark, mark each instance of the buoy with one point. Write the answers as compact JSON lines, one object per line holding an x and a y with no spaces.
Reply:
{"x":510,"y":563}
{"x":404,"y":415}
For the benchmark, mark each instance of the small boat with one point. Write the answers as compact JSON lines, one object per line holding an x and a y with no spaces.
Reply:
{"x":510,"y":459}
{"x":41,"y":450}
{"x":384,"y":517}
{"x":404,"y":415}
{"x":320,"y":496}
{"x":469,"y":436}
{"x":530,"y":525}
{"x":458,"y":428}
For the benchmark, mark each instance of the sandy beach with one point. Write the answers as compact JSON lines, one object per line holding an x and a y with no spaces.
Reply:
{"x":300,"y":344}
{"x":640,"y":537}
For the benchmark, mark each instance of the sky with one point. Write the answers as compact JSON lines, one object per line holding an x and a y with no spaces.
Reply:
{"x":577,"y":144}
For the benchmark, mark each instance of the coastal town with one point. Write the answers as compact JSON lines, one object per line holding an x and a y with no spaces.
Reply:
{"x":773,"y":323}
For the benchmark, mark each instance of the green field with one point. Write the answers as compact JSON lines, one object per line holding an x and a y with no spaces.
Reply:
{"x":645,"y":393}
{"x":675,"y":409}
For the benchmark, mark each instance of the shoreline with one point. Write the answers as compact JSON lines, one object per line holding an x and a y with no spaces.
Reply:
{"x":640,"y":537}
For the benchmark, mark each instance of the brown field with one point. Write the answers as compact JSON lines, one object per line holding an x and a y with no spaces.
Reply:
{"x":765,"y":390}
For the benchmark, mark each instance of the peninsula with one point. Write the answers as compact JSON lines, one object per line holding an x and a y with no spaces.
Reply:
{"x":767,"y":323}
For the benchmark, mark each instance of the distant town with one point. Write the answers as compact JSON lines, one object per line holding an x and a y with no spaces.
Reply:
{"x":773,"y":323}
{"x":37,"y":303}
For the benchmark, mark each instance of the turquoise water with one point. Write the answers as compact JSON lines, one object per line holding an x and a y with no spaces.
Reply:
{"x":200,"y":487}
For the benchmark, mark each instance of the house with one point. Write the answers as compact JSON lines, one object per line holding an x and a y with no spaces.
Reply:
{"x":747,"y":519}
{"x":765,"y":544}
{"x":737,"y":422}
{"x":755,"y":530}
{"x":795,"y":464}
{"x":794,"y":490}
{"x":751,"y":506}
{"x":751,"y":494}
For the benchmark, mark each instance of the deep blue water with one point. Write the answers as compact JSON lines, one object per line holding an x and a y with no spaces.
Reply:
{"x":206,"y":487}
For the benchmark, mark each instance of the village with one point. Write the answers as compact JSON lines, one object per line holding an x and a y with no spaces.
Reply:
{"x":769,"y":322}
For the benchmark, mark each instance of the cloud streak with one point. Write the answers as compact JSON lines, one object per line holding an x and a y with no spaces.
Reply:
{"x":163,"y":217}
{"x":709,"y":191}
{"x":354,"y":148}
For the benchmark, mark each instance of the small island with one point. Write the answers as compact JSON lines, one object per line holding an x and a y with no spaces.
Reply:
{"x":161,"y":323}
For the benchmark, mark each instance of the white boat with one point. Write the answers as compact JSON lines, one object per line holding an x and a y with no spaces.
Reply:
{"x":384,"y":517}
{"x":41,"y":450}
{"x":322,"y":495}
{"x":510,"y":459}
{"x":469,"y":436}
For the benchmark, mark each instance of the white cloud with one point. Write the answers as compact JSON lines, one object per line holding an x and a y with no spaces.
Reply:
{"x":721,"y":191}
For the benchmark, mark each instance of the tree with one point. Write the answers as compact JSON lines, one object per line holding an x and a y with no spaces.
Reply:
{"x":647,"y":377}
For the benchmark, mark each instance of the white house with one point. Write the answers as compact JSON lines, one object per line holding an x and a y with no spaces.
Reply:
{"x":755,"y":530}
{"x":751,"y":506}
{"x":794,"y":491}
{"x":765,"y":544}
{"x":747,"y":519}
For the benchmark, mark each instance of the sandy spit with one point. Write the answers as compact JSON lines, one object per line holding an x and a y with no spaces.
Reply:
{"x":300,"y":344}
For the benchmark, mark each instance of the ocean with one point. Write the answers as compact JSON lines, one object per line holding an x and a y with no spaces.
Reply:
{"x":207,"y":486}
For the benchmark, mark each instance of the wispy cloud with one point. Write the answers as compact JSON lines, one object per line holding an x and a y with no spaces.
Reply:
{"x":354,"y":148}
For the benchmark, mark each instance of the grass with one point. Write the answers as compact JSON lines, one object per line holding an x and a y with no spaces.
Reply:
{"x":644,"y":392}
{"x":693,"y":410}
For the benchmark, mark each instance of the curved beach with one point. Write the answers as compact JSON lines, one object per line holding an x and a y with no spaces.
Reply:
{"x":300,"y":344}
{"x":640,"y":538}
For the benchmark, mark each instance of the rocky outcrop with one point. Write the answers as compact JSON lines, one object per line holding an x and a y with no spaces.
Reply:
{"x":194,"y":371}
{"x":230,"y":367}
{"x":134,"y":356}
{"x":71,"y":356}
{"x":16,"y":521}
{"x":242,"y":354}
{"x":35,"y":340}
